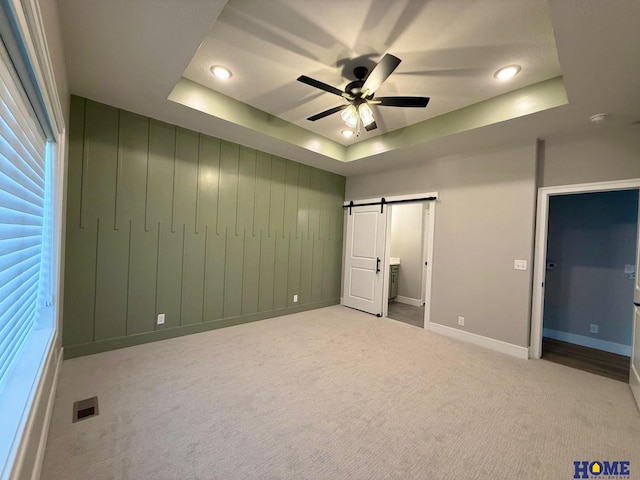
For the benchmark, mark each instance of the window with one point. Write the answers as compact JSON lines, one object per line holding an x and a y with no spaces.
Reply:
{"x":26,"y":315}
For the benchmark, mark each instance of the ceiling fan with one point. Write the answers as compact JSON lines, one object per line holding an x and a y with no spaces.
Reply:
{"x":360,"y":94}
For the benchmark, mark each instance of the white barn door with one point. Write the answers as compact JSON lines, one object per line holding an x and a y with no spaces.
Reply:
{"x":364,"y":259}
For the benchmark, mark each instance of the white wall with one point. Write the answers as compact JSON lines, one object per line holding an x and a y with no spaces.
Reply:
{"x":603,"y":154}
{"x":591,"y":238}
{"x":484,"y":221}
{"x":406,"y":243}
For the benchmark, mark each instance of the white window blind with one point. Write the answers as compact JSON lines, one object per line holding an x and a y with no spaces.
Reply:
{"x":22,"y":210}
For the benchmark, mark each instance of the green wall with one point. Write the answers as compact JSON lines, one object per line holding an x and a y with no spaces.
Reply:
{"x":161,"y":219}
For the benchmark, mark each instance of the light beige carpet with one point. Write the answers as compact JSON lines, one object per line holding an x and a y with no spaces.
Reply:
{"x":333,"y":394}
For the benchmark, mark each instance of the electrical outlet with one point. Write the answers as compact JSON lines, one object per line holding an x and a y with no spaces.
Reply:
{"x":593,"y":328}
{"x":519,"y":264}
{"x":295,"y":299}
{"x":461,"y":321}
{"x":161,"y":319}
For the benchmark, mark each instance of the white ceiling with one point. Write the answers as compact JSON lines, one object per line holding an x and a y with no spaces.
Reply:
{"x":131,"y":54}
{"x":449,"y":51}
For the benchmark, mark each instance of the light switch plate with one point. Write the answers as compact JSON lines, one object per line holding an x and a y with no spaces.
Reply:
{"x":520,"y":264}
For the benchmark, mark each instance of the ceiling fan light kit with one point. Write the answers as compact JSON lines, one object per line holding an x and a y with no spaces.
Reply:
{"x":350,"y":116}
{"x":360,"y":94}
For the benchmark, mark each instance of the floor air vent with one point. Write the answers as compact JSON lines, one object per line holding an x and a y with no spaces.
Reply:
{"x":84,"y":409}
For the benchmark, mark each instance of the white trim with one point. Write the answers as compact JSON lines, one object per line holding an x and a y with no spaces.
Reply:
{"x":430,"y":252}
{"x":37,"y":467}
{"x":634,"y":383}
{"x":486,"y":342}
{"x":31,"y":25}
{"x":425,"y":247}
{"x":596,"y":343}
{"x":387,"y":260}
{"x":413,"y":196}
{"x":416,"y":302}
{"x":542,"y":220}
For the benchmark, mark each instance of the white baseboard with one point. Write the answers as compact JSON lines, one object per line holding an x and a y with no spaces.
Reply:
{"x":42,"y":445}
{"x":588,"y":342}
{"x":416,"y":302}
{"x":490,"y":343}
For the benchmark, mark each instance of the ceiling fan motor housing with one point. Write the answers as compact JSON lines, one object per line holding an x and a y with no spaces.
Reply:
{"x":355,"y":88}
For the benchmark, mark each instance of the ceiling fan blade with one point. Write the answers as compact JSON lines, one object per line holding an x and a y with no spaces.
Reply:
{"x":380,"y":73}
{"x":418,"y":102}
{"x":371,"y":126}
{"x":322,"y":86}
{"x":326,"y":113}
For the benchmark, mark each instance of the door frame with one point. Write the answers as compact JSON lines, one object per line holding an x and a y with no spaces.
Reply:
{"x":431,"y":236}
{"x":540,"y":254}
{"x":426,"y":223}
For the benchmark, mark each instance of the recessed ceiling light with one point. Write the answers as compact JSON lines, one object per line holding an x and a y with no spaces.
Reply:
{"x":221,"y":72}
{"x":598,"y":118}
{"x":347,"y":133}
{"x":505,"y":73}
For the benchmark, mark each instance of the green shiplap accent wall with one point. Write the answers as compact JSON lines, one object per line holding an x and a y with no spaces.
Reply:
{"x":161,"y":219}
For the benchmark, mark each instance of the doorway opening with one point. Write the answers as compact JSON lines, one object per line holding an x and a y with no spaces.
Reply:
{"x":408,"y":247}
{"x":591,"y":250}
{"x":585,"y":276}
{"x":367,"y":251}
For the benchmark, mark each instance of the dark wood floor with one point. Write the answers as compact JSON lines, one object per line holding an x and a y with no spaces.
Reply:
{"x":406,"y":313}
{"x":588,"y":359}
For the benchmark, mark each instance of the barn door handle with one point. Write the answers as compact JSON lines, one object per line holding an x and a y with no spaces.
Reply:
{"x":377,"y":264}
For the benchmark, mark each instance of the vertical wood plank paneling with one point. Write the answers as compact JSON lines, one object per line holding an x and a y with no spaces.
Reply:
{"x":169,"y":282}
{"x":112,"y":273}
{"x":132,"y":169}
{"x":228,"y":199}
{"x":165,"y":220}
{"x":315,"y":202}
{"x":100,"y":161}
{"x":263,"y":193}
{"x":304,"y":177}
{"x":215,"y":255}
{"x":317,"y":270}
{"x":80,"y":258}
{"x":325,"y":206}
{"x":185,"y":180}
{"x":80,"y":284}
{"x":233,"y":274}
{"x":246,"y":190}
{"x":336,"y":190}
{"x":159,"y":204}
{"x":291,"y":200}
{"x":267,"y":271}
{"x":208,"y":178}
{"x":306,"y":268}
{"x":193,"y":277}
{"x":280,"y":287}
{"x":276,"y":211}
{"x":293,"y":274}
{"x":143,"y":265}
{"x":75,"y":163}
{"x":329,"y":270}
{"x":251,"y":273}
